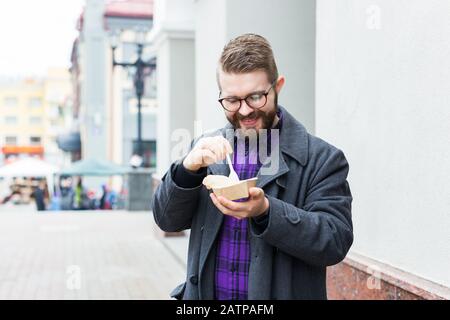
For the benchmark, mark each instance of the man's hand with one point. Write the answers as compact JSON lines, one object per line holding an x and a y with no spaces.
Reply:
{"x":255,"y":206}
{"x":207,"y":151}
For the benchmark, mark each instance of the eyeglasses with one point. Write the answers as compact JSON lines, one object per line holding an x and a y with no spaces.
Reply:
{"x":255,"y":100}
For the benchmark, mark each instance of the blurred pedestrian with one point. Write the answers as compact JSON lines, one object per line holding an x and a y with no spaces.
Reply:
{"x":39,"y":196}
{"x":67,"y":193}
{"x":79,"y":194}
{"x":102,"y":199}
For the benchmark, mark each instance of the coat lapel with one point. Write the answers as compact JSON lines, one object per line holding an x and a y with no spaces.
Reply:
{"x":280,"y":168}
{"x":213,"y":217}
{"x":260,"y":273}
{"x":213,"y":220}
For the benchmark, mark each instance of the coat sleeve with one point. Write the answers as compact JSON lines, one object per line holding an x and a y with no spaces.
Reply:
{"x":174,"y":206}
{"x":321,"y":232}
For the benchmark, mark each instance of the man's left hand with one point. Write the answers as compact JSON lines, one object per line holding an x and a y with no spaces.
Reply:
{"x":255,"y":206}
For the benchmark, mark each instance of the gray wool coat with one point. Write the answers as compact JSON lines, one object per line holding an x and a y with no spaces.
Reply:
{"x":309,"y":226}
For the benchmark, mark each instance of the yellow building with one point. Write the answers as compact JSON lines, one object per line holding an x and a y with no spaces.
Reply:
{"x":57,"y":109}
{"x":31,"y":116}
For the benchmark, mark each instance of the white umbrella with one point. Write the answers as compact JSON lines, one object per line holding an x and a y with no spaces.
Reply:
{"x":29,"y":167}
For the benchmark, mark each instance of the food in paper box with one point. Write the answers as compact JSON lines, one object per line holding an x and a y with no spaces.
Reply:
{"x":228,"y":188}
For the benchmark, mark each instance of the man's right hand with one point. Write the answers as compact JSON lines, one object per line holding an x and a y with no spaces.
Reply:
{"x":207,"y":150}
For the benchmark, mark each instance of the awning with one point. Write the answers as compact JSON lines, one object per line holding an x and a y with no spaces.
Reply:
{"x":94,"y":167}
{"x":23,"y":150}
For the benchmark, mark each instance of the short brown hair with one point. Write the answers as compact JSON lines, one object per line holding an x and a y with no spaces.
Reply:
{"x":247,"y":53}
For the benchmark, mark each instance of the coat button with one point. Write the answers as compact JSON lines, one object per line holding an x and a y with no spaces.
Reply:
{"x":193,"y":280}
{"x":293,"y":217}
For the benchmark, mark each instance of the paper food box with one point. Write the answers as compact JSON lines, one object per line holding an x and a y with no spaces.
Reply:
{"x":228,"y":188}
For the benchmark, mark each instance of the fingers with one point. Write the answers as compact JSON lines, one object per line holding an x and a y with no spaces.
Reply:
{"x":219,"y":206}
{"x":234,"y":206}
{"x":223,"y":146}
{"x":256,"y":192}
{"x":207,"y":156}
{"x":227,"y":211}
{"x":218,"y":145}
{"x":207,"y":151}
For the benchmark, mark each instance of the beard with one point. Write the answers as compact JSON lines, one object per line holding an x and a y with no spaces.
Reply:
{"x":266,"y":117}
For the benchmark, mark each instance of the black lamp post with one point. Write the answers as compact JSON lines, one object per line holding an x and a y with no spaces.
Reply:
{"x":139,"y":84}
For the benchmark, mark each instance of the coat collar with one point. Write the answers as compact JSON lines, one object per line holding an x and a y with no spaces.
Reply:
{"x":294,"y":138}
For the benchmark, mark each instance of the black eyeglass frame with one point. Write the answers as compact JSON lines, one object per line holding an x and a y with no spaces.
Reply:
{"x":265,"y":94}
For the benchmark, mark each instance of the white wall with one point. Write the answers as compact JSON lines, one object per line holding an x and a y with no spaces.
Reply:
{"x":176,"y":87}
{"x":210,"y":38}
{"x":289,"y":25}
{"x":173,"y":40}
{"x":173,"y":14}
{"x":383,"y":96}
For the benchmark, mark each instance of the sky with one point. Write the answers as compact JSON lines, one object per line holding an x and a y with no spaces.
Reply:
{"x":36,"y":35}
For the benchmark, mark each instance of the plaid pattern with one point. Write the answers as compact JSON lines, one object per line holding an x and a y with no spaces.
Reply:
{"x":233,"y":249}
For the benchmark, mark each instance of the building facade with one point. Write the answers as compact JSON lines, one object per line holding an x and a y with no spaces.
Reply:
{"x":31,"y":112}
{"x":105,"y":107}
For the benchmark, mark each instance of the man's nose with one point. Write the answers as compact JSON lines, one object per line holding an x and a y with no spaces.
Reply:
{"x":245,"y":110}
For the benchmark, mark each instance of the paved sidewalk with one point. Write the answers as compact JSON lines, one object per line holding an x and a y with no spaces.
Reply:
{"x":178,"y":247}
{"x":87,"y":255}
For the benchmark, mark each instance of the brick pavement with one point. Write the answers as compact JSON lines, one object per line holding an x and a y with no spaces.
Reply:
{"x":86,"y":255}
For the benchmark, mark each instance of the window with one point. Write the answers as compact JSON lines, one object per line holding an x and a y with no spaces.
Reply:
{"x":35,"y":141}
{"x":35,"y":120}
{"x":11,"y":140}
{"x":53,"y":111}
{"x":35,"y":102}
{"x":10,"y":120}
{"x":10,"y":102}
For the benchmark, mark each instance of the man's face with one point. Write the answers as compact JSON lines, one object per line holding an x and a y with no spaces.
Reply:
{"x":242,"y":85}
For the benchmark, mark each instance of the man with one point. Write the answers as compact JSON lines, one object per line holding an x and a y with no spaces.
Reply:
{"x":39,"y":195}
{"x":297,"y":221}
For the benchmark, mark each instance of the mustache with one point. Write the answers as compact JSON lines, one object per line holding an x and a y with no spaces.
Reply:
{"x":254,"y":115}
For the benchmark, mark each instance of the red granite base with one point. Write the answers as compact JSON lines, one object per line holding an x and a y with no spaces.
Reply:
{"x":163,"y":234}
{"x":361,"y":279}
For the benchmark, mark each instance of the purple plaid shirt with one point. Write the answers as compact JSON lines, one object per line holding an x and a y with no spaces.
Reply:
{"x":233,"y":249}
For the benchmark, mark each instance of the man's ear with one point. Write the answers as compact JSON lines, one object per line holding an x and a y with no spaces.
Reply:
{"x":279,"y":84}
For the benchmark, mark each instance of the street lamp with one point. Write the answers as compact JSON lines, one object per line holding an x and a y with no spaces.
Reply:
{"x":139,"y":76}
